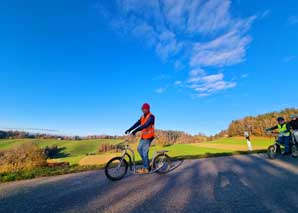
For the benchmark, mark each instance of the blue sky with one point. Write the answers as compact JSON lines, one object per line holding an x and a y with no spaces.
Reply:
{"x":85,"y":67}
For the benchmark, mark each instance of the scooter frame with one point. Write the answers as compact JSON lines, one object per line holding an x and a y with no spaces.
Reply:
{"x":128,"y":152}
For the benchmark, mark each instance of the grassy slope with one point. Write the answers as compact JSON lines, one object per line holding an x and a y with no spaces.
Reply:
{"x":7,"y":144}
{"x":74,"y":150}
{"x":219,"y":147}
{"x":186,"y":149}
{"x":256,"y":141}
{"x":237,"y":144}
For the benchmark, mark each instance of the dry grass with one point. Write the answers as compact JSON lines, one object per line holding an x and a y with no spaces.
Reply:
{"x":22,"y":157}
{"x":97,"y":159}
{"x":228,"y":147}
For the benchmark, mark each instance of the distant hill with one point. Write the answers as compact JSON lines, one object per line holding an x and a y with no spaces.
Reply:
{"x":256,"y":124}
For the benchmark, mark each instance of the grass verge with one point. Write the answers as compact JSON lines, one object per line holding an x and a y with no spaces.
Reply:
{"x":45,"y":172}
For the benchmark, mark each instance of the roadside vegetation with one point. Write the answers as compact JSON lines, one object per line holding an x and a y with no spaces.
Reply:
{"x":26,"y":159}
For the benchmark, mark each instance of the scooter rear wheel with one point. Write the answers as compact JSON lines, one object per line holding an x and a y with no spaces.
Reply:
{"x":162,"y":164}
{"x":116,"y":168}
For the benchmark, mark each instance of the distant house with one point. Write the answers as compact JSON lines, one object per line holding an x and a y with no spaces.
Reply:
{"x":77,"y":138}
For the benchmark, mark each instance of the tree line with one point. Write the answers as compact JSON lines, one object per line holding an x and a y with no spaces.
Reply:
{"x":14,"y":134}
{"x":253,"y":124}
{"x":256,"y":125}
{"x":163,"y":137}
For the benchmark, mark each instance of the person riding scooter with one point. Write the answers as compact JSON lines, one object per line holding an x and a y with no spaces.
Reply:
{"x":146,"y":125}
{"x":284,"y":130}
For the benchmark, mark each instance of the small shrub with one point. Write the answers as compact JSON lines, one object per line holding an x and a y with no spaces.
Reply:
{"x":90,"y":154}
{"x":22,"y":157}
{"x":106,"y":147}
{"x":1,"y":153}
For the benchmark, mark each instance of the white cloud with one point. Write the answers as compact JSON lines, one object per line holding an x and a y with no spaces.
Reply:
{"x":167,"y":44}
{"x":196,"y":72}
{"x":192,"y":34}
{"x":178,"y":83}
{"x":209,"y":16}
{"x":195,"y":75}
{"x":205,"y":85}
{"x":160,"y":90}
{"x":226,"y":50}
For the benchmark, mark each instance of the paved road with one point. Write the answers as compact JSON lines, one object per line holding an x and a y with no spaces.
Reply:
{"x":228,"y":184}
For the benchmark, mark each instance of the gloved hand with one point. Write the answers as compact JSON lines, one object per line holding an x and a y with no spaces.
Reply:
{"x":267,"y":129}
{"x":133,"y":133}
{"x":127,"y":132}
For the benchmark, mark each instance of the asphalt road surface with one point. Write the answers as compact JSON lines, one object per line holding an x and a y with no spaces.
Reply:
{"x":248,"y":183}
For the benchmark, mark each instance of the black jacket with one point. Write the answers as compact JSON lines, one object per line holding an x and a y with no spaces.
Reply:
{"x":294,"y":124}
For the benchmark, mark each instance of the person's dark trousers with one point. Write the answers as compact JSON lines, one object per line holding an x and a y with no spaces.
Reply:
{"x":285,"y":140}
{"x":143,"y":149}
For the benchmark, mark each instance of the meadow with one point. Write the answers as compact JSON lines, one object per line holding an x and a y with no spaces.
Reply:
{"x":76,"y":152}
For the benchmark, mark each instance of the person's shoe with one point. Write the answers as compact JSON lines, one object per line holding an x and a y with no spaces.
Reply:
{"x":142,"y":171}
{"x":285,"y":153}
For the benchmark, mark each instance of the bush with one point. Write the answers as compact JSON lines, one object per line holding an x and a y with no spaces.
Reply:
{"x":167,"y":138}
{"x":106,"y":147}
{"x":51,"y":151}
{"x":23,"y":157}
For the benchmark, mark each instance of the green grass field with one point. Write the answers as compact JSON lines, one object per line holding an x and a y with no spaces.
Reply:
{"x":256,"y":141}
{"x":75,"y":151}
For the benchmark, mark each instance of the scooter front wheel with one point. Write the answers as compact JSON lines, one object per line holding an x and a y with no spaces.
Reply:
{"x":116,"y":168}
{"x":294,"y":151}
{"x":272,"y":152}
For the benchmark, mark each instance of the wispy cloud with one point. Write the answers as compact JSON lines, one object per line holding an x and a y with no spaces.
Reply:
{"x":178,"y":83}
{"x":160,"y":90}
{"x":244,"y":75}
{"x":225,"y":50}
{"x":192,"y":34}
{"x":293,"y":20}
{"x":265,"y":14}
{"x":289,"y":58}
{"x":206,"y":85}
